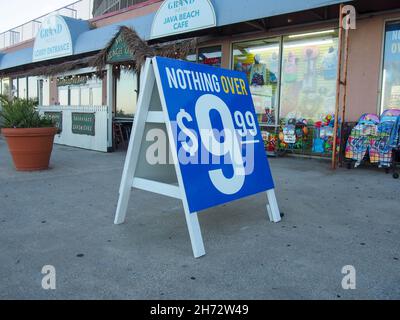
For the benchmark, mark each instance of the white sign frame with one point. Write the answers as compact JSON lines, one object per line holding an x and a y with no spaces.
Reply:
{"x":131,"y":177}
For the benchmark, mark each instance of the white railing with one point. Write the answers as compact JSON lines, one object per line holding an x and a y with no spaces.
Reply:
{"x":106,"y":6}
{"x":82,"y":9}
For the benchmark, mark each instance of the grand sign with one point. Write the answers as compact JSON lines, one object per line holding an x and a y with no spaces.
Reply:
{"x":53,"y":40}
{"x":181,"y":16}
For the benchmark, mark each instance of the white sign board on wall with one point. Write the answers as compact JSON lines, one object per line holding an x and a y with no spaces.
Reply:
{"x":181,"y":16}
{"x":53,"y":40}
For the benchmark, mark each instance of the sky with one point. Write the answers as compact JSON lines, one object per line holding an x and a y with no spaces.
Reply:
{"x":16,"y":12}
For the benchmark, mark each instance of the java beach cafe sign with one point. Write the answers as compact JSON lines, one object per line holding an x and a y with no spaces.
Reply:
{"x":181,"y":16}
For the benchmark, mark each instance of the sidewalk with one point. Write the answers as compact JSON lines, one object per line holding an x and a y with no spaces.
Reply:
{"x":64,"y":217}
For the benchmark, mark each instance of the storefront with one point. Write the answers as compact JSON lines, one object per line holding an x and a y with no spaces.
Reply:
{"x":292,"y":78}
{"x":289,"y":52}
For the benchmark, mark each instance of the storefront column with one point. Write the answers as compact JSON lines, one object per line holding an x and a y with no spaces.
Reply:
{"x":226,"y":54}
{"x":53,"y":91}
{"x":110,"y":97}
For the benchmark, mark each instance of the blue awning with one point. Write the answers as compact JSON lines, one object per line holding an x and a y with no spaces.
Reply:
{"x":16,"y":58}
{"x":25,"y":56}
{"x":97,"y":39}
{"x":248,"y":10}
{"x":227,"y":13}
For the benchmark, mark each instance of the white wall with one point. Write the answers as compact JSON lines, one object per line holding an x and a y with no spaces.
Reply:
{"x":99,"y":142}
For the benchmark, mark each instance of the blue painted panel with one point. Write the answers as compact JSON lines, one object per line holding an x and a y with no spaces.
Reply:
{"x":219,"y":145}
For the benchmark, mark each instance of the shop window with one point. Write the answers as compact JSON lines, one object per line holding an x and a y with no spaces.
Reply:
{"x":293,"y":83}
{"x":391,"y":68}
{"x":33,"y":88}
{"x":74,"y":93}
{"x":211,"y":56}
{"x":44,"y":92}
{"x":93,"y":94}
{"x":63,"y":96}
{"x":85,"y":96}
{"x":260,"y":61}
{"x":97,"y":96}
{"x":14,"y":88}
{"x":22,"y":88}
{"x":80,"y":90}
{"x":309,"y":71}
{"x":5,"y":86}
{"x":126,"y":94}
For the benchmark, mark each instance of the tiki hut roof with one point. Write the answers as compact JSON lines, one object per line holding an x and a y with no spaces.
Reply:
{"x":43,"y":69}
{"x":140,"y":49}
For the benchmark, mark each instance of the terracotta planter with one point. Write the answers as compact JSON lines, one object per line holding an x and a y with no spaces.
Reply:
{"x":30,"y":148}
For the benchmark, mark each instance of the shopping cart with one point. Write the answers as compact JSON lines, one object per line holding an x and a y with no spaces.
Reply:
{"x":361,"y":142}
{"x":394,"y":143}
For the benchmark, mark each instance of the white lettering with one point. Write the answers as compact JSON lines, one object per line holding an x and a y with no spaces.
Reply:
{"x":181,"y":79}
{"x":171,"y":78}
{"x":196,"y":81}
{"x":396,"y":35}
{"x":192,"y":80}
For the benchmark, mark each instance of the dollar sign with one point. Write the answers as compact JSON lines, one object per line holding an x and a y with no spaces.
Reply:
{"x":195,"y":144}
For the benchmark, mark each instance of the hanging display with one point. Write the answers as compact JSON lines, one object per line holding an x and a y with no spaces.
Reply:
{"x":309,"y":70}
{"x":260,"y":61}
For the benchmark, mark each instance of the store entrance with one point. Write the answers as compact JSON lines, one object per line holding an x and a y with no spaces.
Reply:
{"x":126,"y":89}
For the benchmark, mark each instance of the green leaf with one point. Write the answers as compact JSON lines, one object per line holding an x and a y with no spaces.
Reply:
{"x":22,"y":113}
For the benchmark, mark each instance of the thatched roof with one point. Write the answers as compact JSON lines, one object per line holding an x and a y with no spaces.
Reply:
{"x":140,"y":50}
{"x":49,"y":70}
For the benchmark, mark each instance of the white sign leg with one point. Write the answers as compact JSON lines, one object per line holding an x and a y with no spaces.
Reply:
{"x":126,"y":185}
{"x":196,"y":238}
{"x":135,"y":144}
{"x":272,"y":207}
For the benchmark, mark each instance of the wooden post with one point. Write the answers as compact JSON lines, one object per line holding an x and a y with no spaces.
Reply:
{"x":338,"y":85}
{"x":344,"y":96}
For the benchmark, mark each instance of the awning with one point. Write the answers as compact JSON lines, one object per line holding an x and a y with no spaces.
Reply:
{"x":16,"y":58}
{"x":227,"y":13}
{"x":42,"y":69}
{"x":21,"y":57}
{"x":248,"y":10}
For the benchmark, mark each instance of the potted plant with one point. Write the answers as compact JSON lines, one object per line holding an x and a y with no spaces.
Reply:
{"x":29,"y":136}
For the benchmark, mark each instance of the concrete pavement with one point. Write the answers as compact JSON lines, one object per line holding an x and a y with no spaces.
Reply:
{"x":64,"y":217}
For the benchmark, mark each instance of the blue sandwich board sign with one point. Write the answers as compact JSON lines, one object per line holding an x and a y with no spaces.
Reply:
{"x":214,"y":141}
{"x":200,"y":98}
